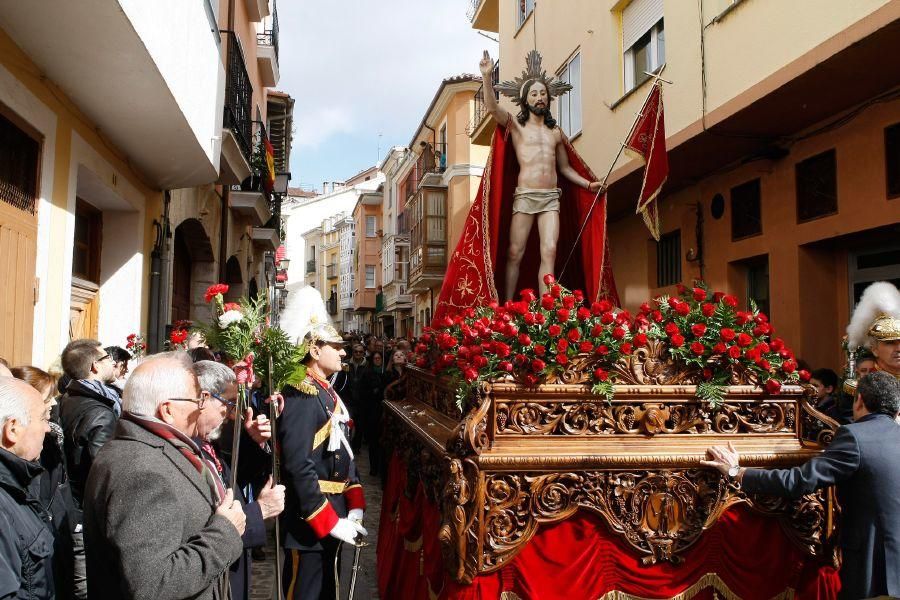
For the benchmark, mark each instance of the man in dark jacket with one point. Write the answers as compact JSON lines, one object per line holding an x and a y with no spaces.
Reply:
{"x":26,"y":537}
{"x":219,"y":387}
{"x":862,"y":462}
{"x":158,"y":524}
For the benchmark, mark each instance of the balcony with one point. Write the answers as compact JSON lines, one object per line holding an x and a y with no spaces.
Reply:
{"x":267,"y":51}
{"x":125,"y":68}
{"x":331,"y":271}
{"x":484,"y":15}
{"x":252,"y":205}
{"x":428,"y":245}
{"x":310,"y":266}
{"x":430,"y":165}
{"x":266,"y":238}
{"x":332,"y":305}
{"x":257,"y":10}
{"x":481,"y":127}
{"x":237,"y":122}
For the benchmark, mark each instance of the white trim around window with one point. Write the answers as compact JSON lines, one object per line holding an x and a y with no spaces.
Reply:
{"x":570,"y":103}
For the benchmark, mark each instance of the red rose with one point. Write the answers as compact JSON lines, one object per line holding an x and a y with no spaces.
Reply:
{"x":562,"y":359}
{"x":596,"y":330}
{"x":421,"y":348}
{"x":605,"y":306}
{"x":568,"y":301}
{"x":683,"y":309}
{"x":447,"y":359}
{"x":549,"y":279}
{"x":657,"y":316}
{"x":777,"y":345}
{"x":505,"y":365}
{"x":805,"y":375}
{"x":618,"y":333}
{"x":671,"y":329}
{"x":718,"y":296}
{"x":562,"y":345}
{"x":741,"y":318}
{"x":602,"y":350}
{"x":421,"y":362}
{"x":531,"y":380}
{"x":677,"y":340}
{"x":761,"y":318}
{"x":773,"y":386}
{"x":528,"y":318}
{"x":707,"y":373}
{"x":528,"y":295}
{"x":585,"y":347}
{"x":574,"y":335}
{"x":563,"y":314}
{"x":763,"y":364}
{"x":539,"y":349}
{"x":537,"y":365}
{"x":579,"y":296}
{"x":178,"y":336}
{"x":699,"y":294}
{"x":789,"y":366}
{"x":470,"y":374}
{"x":708,"y":309}
{"x":640,"y":340}
{"x":719,"y":348}
{"x":698,"y":348}
{"x":744,"y":340}
{"x":727,"y":334}
{"x":730,"y":300}
{"x":601,"y":374}
{"x":596,"y":308}
{"x":583,"y":314}
{"x":698,"y":329}
{"x":734,"y":352}
{"x":623,"y":317}
{"x":672,"y":301}
{"x":554,"y":330}
{"x":524,"y":339}
{"x":555,"y":291}
{"x":501,"y":349}
{"x":762,"y":347}
{"x":607,"y":318}
{"x":626,"y":348}
{"x":511,"y":330}
{"x":520,"y":359}
{"x":539,"y":318}
{"x":645,"y":307}
{"x":547,"y":302}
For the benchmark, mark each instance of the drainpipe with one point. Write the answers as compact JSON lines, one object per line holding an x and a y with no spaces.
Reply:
{"x":155,"y":268}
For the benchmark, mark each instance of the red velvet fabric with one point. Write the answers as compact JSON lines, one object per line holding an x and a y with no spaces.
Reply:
{"x":580,"y":559}
{"x":476,"y":268}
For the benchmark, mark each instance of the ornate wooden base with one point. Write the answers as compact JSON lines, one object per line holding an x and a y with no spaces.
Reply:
{"x":520,"y":458}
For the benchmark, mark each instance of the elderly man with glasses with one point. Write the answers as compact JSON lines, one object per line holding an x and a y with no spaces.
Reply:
{"x":158,"y":521}
{"x":218,"y":394}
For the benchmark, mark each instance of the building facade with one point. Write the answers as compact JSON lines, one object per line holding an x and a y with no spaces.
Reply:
{"x":782,"y":144}
{"x":395,"y":316}
{"x":367,"y":269}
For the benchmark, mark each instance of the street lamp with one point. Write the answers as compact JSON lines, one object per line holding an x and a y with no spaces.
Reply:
{"x":281,"y":183}
{"x":284,"y":264}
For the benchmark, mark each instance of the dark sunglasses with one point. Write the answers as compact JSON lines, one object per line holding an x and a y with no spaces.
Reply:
{"x":227,"y":403}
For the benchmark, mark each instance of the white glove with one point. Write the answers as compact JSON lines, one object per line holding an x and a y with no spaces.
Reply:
{"x":346,"y":531}
{"x":355,"y":514}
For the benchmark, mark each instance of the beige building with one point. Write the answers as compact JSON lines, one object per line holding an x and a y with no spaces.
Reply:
{"x":782,"y":134}
{"x":367,"y":256}
{"x":436,"y":181}
{"x":395,"y":310}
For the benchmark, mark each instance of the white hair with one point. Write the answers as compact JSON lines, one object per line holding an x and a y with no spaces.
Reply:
{"x":213,"y":377}
{"x":12,"y":402}
{"x":156,"y":381}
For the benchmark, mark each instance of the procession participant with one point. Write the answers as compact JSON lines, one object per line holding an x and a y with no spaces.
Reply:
{"x":157,"y":522}
{"x":325,"y":500}
{"x":218,"y":386}
{"x":861,"y":462}
{"x":865,"y":363}
{"x":26,"y":537}
{"x":540,"y":150}
{"x":875,"y":326}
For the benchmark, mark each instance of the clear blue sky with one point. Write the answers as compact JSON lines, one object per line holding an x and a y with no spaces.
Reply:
{"x":357,"y":68}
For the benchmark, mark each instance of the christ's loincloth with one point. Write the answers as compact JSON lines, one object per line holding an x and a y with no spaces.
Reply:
{"x":532,"y":202}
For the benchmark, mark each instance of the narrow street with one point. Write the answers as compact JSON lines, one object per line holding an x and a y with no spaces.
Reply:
{"x":367,"y":582}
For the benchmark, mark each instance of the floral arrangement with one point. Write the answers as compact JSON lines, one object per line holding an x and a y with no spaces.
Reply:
{"x":179,"y":335}
{"x":529,"y":339}
{"x":136,"y":345}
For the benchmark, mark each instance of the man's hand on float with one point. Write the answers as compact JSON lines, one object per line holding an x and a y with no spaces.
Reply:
{"x":486,"y":65}
{"x":596,"y":187}
{"x":259,"y":429}
{"x":724,"y":459}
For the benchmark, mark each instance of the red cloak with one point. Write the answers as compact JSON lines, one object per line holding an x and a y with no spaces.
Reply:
{"x":480,"y":254}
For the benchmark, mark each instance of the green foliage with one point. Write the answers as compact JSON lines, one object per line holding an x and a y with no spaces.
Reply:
{"x":712,"y":392}
{"x":286,"y":360}
{"x":605,"y":389}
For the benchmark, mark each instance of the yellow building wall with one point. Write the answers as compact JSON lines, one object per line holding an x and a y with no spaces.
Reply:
{"x":70,"y":120}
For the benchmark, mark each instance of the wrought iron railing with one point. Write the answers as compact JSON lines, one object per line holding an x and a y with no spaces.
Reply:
{"x":332,"y":305}
{"x":238,"y":96}
{"x":269,"y":37}
{"x":331,"y":271}
{"x":433,"y":159}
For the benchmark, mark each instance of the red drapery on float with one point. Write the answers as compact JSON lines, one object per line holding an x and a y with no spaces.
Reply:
{"x":744,"y":555}
{"x":480,"y":255}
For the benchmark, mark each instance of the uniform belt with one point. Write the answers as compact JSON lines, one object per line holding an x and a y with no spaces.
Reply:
{"x":332,"y":487}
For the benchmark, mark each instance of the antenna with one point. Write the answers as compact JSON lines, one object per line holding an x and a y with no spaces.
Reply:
{"x":378,"y":151}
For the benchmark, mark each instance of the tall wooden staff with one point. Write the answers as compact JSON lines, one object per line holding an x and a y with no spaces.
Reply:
{"x":276,"y":477}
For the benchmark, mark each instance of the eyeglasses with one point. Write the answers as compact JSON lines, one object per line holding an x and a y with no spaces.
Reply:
{"x":227,"y":403}
{"x":198,"y":401}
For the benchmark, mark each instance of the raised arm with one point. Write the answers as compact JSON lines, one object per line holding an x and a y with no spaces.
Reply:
{"x":566,"y":169}
{"x":500,"y":114}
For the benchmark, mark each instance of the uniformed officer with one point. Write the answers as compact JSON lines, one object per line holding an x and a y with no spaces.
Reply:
{"x":325,"y":502}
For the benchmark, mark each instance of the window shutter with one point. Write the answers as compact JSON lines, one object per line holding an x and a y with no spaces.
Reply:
{"x":637,"y":19}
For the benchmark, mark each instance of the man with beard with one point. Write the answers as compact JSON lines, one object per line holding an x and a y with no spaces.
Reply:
{"x":540,"y":150}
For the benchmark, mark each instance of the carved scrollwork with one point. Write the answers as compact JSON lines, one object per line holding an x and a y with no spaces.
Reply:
{"x":471,"y":435}
{"x":596,"y":417}
{"x":458,"y":538}
{"x":650,"y":365}
{"x":804,"y":520}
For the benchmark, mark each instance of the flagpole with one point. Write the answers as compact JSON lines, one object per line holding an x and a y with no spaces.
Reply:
{"x":656,"y":80}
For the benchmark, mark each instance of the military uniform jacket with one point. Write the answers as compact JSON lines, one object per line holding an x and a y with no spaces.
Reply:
{"x":321,"y":485}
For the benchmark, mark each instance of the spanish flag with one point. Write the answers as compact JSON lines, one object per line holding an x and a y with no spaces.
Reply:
{"x":269,"y":182}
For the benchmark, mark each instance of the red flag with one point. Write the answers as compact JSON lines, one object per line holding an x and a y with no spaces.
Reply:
{"x":648,"y":140}
{"x":269,"y":181}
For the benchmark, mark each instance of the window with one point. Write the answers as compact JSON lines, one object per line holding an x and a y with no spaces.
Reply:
{"x":746,"y":218}
{"x":817,"y":186}
{"x":668,"y":259}
{"x":370,"y":276}
{"x":18,"y":166}
{"x":371,"y":225}
{"x":526,"y":7}
{"x":441,"y":153}
{"x":758,"y":284}
{"x":570,"y":102}
{"x":644,"y":40}
{"x":88,"y":236}
{"x":892,"y":159}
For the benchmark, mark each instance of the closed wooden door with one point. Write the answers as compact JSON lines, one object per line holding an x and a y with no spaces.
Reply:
{"x":18,"y":246}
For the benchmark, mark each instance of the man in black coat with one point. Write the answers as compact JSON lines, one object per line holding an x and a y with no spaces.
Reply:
{"x":325,"y":500}
{"x":862,"y":462}
{"x":26,"y":536}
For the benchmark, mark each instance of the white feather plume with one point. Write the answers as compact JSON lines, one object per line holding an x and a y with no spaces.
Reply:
{"x":880,"y":298}
{"x":309,"y":310}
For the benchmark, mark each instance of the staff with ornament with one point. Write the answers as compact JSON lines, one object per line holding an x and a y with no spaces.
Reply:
{"x":325,"y":501}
